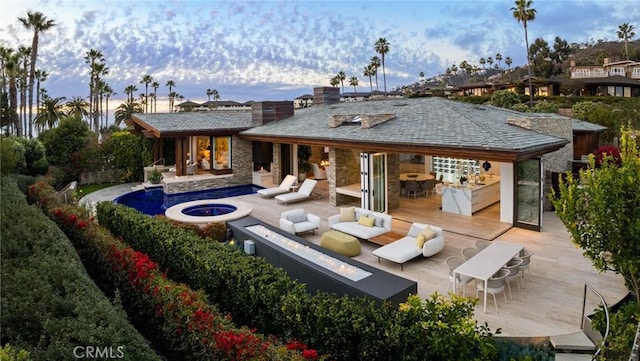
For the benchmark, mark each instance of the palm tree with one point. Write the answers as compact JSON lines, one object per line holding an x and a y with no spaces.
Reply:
{"x":625,"y":32}
{"x":482,"y":62}
{"x":93,"y":57}
{"x":368,"y":71}
{"x":454,"y":70}
{"x":155,"y":85}
{"x":98,"y":69}
{"x":78,"y":107}
{"x":171,"y":84}
{"x":41,"y":75}
{"x":216,"y":96}
{"x":422,"y":75}
{"x":342,"y":76}
{"x":209,"y":93}
{"x":334,"y":81}
{"x":39,"y":23}
{"x":523,"y":13}
{"x":25,"y":54}
{"x":52,"y":110}
{"x":125,"y":110}
{"x":129,"y":90}
{"x":107,"y":91}
{"x":12,"y":68}
{"x":382,"y":47}
{"x":508,"y":61}
{"x":146,"y":80}
{"x":353,"y":81}
{"x":490,"y":62}
{"x":5,"y":54}
{"x":499,"y":59}
{"x":375,"y":63}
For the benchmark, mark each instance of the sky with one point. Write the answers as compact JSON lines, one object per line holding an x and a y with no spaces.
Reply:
{"x":278,"y":50}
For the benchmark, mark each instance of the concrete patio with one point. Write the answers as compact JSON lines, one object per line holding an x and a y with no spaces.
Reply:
{"x":550,"y":303}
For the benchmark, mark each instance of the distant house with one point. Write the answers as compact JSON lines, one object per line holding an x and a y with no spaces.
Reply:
{"x":620,"y":78}
{"x":543,"y":87}
{"x":303,"y":101}
{"x":190,"y":106}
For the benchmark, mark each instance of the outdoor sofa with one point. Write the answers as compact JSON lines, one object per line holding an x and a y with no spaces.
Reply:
{"x":351,"y":221}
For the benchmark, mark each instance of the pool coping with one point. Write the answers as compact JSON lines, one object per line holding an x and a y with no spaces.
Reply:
{"x":175,"y":212}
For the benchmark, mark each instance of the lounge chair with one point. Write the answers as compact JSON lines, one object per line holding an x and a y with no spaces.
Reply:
{"x":318,"y":173}
{"x":284,"y":187}
{"x":302,"y":194}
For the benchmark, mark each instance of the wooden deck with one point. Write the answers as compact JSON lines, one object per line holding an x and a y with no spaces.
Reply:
{"x":550,"y":304}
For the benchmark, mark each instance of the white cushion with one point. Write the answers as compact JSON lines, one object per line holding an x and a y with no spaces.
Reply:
{"x":297,"y":217}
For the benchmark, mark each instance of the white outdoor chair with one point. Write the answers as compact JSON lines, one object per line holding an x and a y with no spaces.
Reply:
{"x":302,"y":194}
{"x":482,"y":244}
{"x":525,"y":254}
{"x":284,"y":187}
{"x":469,"y":252}
{"x":514,"y":273}
{"x":318,"y":173}
{"x":298,"y":221}
{"x":495,"y":285}
{"x":453,"y":263}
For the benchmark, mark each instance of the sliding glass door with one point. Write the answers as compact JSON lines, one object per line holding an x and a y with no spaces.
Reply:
{"x":373,"y":178}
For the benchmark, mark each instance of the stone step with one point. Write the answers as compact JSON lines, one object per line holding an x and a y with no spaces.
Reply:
{"x":578,"y":341}
{"x":573,"y":357}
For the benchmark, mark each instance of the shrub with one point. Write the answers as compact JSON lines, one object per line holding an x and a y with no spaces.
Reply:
{"x":582,"y":110}
{"x":505,"y":99}
{"x":49,"y":304}
{"x":181,"y":321}
{"x":9,"y":155}
{"x":624,"y":323}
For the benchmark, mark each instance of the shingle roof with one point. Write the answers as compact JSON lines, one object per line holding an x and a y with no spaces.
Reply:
{"x":196,"y":121}
{"x":420,"y":122}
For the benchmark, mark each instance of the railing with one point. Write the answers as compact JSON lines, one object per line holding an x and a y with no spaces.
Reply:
{"x":161,"y":160}
{"x":606,"y":312}
{"x":636,"y":344}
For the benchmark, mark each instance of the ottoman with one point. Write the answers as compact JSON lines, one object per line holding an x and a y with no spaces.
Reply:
{"x":341,"y":243}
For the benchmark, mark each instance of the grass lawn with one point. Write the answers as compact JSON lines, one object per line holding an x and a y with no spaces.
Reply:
{"x":83,"y":190}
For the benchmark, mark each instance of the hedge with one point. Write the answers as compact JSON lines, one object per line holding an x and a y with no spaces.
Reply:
{"x":180,"y":321}
{"x":259,"y":295}
{"x":50,"y":306}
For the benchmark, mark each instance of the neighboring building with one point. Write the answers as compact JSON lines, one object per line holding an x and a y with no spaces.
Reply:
{"x":543,"y":87}
{"x":190,"y":106}
{"x":303,"y":101}
{"x":620,"y":78}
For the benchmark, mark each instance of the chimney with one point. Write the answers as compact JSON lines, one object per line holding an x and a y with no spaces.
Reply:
{"x":271,"y":111}
{"x":326,"y":95}
{"x":605,"y":61}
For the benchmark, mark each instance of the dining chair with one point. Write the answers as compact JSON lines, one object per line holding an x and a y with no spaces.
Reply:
{"x":412,"y":187}
{"x":525,"y":254}
{"x":453,"y":263}
{"x":428,"y":186}
{"x":482,"y":244}
{"x":495,"y":285}
{"x":513,"y":267}
{"x":469,"y":252}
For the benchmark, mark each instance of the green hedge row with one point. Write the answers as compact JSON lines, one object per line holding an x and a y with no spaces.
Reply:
{"x":264,"y":297}
{"x":50,"y":306}
{"x":180,"y":321}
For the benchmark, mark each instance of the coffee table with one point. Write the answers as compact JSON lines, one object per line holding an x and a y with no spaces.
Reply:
{"x":386,"y":238}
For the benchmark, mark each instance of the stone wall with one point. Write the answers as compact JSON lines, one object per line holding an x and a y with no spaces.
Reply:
{"x":346,"y":163}
{"x":110,"y":176}
{"x":241,"y":158}
{"x":393,"y":182}
{"x":276,"y":168}
{"x":560,"y":160}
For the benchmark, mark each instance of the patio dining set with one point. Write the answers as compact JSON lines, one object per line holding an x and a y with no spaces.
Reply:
{"x":494,"y":264}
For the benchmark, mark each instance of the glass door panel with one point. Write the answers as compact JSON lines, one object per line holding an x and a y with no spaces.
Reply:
{"x":528,"y":204}
{"x":379,"y":183}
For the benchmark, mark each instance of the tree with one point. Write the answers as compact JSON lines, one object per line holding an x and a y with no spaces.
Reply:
{"x":146,"y":80}
{"x":341,"y":76}
{"x":601,"y":211}
{"x":12,"y":69}
{"x":77,"y":107}
{"x":155,"y":85}
{"x":523,"y":13}
{"x":508,"y":61}
{"x":368,"y":71}
{"x":172,"y":95}
{"x":39,"y":23}
{"x":107,"y":91}
{"x":490,"y":62}
{"x":94,"y":57}
{"x":625,"y":32}
{"x":482,"y":62}
{"x":504,"y":99}
{"x":50,"y":114}
{"x":23,"y":85}
{"x":216,"y":97}
{"x":209,"y":93}
{"x":375,"y":63}
{"x":382,"y":48}
{"x":61,"y":142}
{"x":334,"y":81}
{"x":541,"y":60}
{"x":125,"y":110}
{"x":353,"y":81}
{"x":41,"y":76}
{"x":498,"y":59}
{"x":129,"y":90}
{"x":422,"y":75}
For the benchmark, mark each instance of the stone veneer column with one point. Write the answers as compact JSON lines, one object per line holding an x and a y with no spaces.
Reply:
{"x":276,"y":169}
{"x":393,"y":180}
{"x":345,"y":169}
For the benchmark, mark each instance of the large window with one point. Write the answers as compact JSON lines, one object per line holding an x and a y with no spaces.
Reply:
{"x":222,"y":154}
{"x":214,"y":153}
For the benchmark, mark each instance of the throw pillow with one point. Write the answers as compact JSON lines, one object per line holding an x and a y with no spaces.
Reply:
{"x":420,"y":240}
{"x":361,"y":212}
{"x":366,"y":221}
{"x":428,"y":233}
{"x":297,"y":217}
{"x":379,"y":221}
{"x":348,"y":214}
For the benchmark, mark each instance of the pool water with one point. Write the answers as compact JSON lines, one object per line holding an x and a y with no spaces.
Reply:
{"x":154,"y":201}
{"x":209,"y":209}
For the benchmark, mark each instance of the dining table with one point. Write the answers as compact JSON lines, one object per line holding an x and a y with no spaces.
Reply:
{"x":486,"y":263}
{"x":418,"y":177}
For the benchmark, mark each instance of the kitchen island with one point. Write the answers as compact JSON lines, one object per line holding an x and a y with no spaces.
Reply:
{"x":466,"y":200}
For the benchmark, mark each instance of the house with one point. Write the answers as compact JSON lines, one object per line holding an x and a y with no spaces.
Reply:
{"x":365,"y":144}
{"x":620,"y":78}
{"x":303,"y":101}
{"x":543,"y":87}
{"x":190,"y":106}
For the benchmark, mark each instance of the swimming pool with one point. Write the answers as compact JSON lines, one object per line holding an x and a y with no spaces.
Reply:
{"x":154,"y":201}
